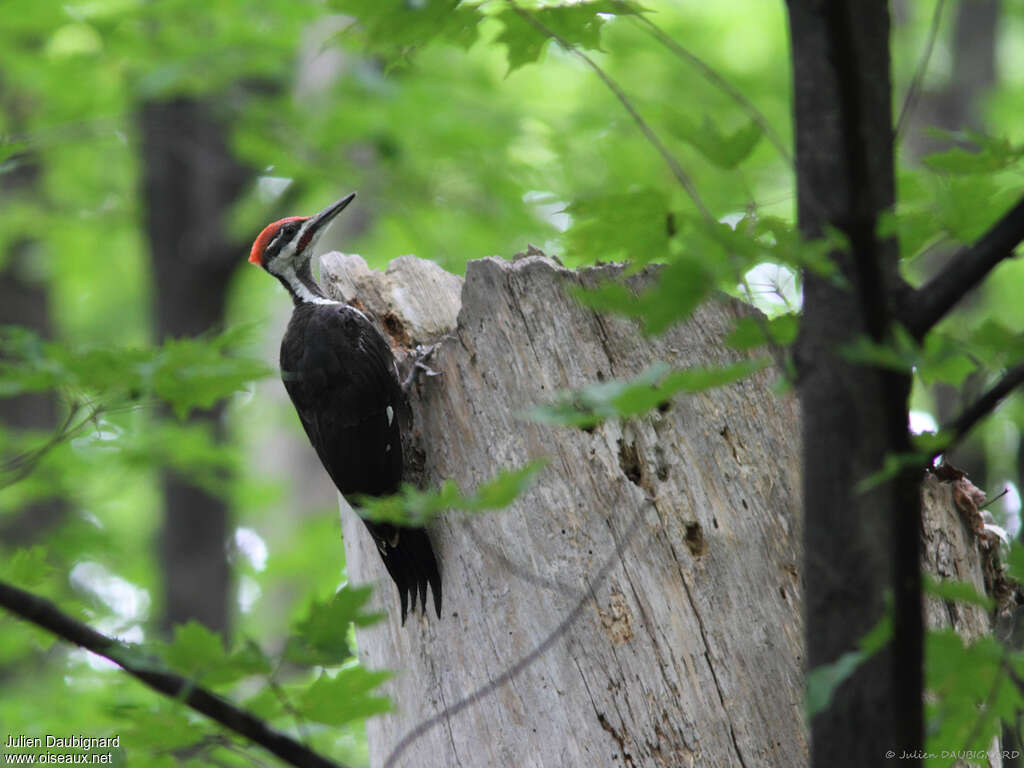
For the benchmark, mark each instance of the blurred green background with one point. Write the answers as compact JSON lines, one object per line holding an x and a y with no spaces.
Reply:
{"x":143,"y":145}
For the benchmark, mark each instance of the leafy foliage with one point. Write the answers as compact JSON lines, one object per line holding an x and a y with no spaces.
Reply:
{"x":578,"y":24}
{"x":411,"y":506}
{"x":468,"y":130}
{"x":185,"y":373}
{"x":318,"y":640}
{"x":724,"y":150}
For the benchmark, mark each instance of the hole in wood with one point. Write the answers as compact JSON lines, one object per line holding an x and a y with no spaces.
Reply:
{"x":695,"y":539}
{"x":629,"y":461}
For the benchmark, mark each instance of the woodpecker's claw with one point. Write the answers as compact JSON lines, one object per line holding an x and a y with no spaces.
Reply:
{"x":422,"y":353}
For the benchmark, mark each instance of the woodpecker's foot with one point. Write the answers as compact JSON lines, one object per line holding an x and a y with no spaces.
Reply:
{"x":419,"y":357}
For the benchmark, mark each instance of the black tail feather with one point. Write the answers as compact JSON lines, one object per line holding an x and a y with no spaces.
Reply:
{"x":409,"y":559}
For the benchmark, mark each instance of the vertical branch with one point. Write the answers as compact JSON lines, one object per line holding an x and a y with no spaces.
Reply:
{"x":857,"y":546}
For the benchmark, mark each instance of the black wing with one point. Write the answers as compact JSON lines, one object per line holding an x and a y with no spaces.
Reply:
{"x":341,"y":377}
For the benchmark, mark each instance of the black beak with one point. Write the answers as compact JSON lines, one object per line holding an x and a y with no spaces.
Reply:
{"x":322,"y":219}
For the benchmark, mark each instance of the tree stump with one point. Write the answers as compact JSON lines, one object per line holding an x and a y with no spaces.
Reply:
{"x":641,"y":605}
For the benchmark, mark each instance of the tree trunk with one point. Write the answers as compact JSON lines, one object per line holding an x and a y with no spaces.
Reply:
{"x":857,"y":544}
{"x":25,"y":301}
{"x":639,"y":606}
{"x":190,"y":182}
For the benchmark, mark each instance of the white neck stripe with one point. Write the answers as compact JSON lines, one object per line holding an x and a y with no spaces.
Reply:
{"x":301,"y":290}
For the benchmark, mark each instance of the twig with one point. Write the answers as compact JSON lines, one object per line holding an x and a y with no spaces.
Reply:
{"x":985,"y":404}
{"x":677,"y":170}
{"x":286,"y":703}
{"x":46,"y":615}
{"x":17,"y":468}
{"x":968,"y":267}
{"x":719,"y":82}
{"x":914,"y":91}
{"x":994,"y":499}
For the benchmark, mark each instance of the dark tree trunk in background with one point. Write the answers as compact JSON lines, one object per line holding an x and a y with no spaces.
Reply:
{"x":857,"y":545}
{"x":24,"y":301}
{"x":190,"y":182}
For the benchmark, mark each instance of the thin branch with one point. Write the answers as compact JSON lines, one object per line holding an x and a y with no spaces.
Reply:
{"x":17,"y":468}
{"x":46,"y":615}
{"x":677,"y":170}
{"x":910,"y":101}
{"x":985,"y":404}
{"x":968,"y":267}
{"x":719,"y":82}
{"x":994,"y":499}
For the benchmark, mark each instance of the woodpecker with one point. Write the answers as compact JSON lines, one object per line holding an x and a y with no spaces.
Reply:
{"x":343,"y":381}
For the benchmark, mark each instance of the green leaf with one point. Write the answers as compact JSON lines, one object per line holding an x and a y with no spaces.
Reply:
{"x":1015,"y":563}
{"x":893,"y":465}
{"x":196,"y":373}
{"x":957,"y":208}
{"x":631,"y":226}
{"x":915,"y":229}
{"x":186,"y":373}
{"x":822,"y":681}
{"x":163,"y":726}
{"x":969,"y":691}
{"x":505,"y":488}
{"x":942,"y":358}
{"x":957,"y":591}
{"x":678,"y":289}
{"x":26,"y":568}
{"x":989,"y":155}
{"x":197,"y":652}
{"x":321,"y":638}
{"x":344,"y":697}
{"x":749,"y":332}
{"x":195,"y":649}
{"x":411,"y":506}
{"x":579,"y":24}
{"x":996,"y":345}
{"x":783,"y":243}
{"x":626,"y":398}
{"x":726,"y":150}
{"x":396,"y":29}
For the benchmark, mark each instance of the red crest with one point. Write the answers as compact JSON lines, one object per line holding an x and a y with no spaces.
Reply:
{"x":256,"y":254}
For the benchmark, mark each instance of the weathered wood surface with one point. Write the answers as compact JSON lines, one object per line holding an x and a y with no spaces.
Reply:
{"x":646,"y":587}
{"x":641,"y":605}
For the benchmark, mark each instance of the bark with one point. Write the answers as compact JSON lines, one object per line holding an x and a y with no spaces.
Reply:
{"x":639,"y":606}
{"x":190,"y":182}
{"x":952,"y":551}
